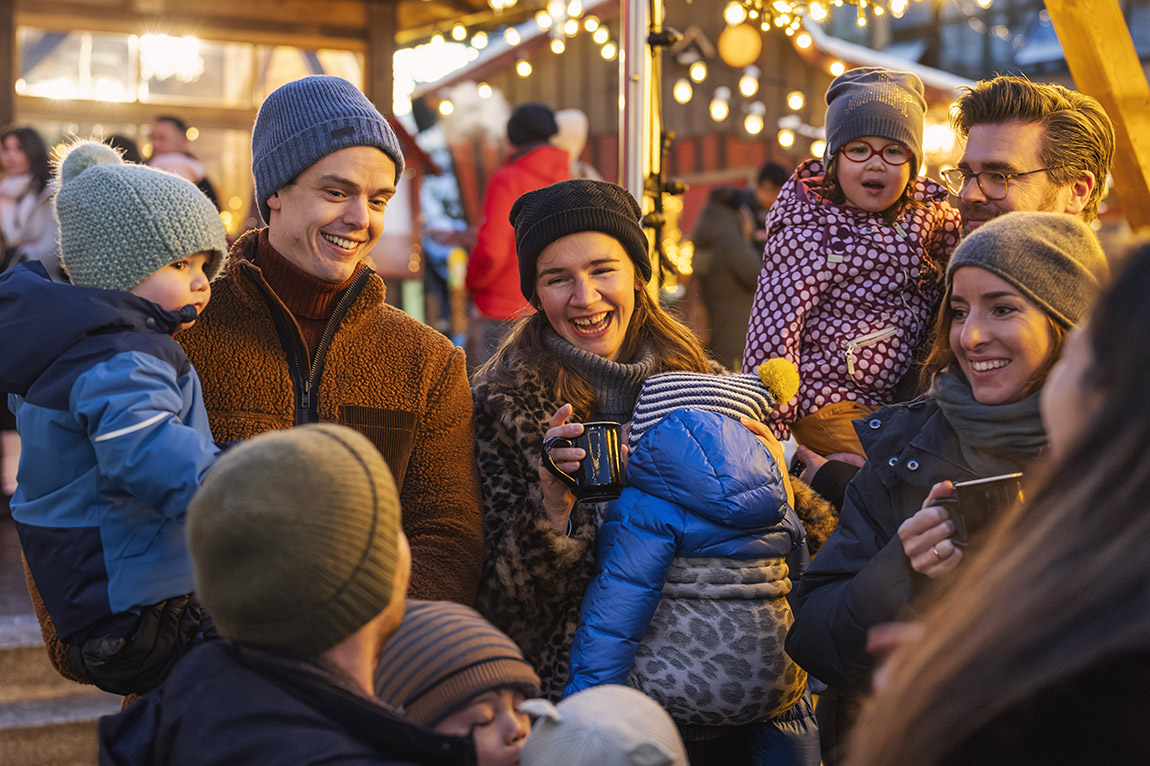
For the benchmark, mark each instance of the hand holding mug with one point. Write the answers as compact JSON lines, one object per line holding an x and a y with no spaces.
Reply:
{"x":925,"y":536}
{"x":558,"y":500}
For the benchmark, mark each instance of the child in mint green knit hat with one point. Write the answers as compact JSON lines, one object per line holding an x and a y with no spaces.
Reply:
{"x":115,"y":434}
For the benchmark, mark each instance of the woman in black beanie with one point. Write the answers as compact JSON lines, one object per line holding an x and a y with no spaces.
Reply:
{"x":595,"y":336}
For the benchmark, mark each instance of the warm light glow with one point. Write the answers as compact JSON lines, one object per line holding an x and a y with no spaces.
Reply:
{"x":795,"y":100}
{"x":511,"y":36}
{"x":922,"y":171}
{"x":683,"y":90}
{"x":984,"y":4}
{"x":575,"y":8}
{"x":817,"y":12}
{"x":838,"y":68}
{"x":818,"y":147}
{"x":543,"y":19}
{"x":803,"y":41}
{"x":557,"y":46}
{"x":601,"y":35}
{"x":164,"y":56}
{"x":591,"y":23}
{"x":484,"y":90}
{"x":748,"y":85}
{"x":459,"y":33}
{"x":608,"y":51}
{"x":753,"y":124}
{"x":479,"y":41}
{"x":235,"y":203}
{"x":897,"y":8}
{"x":719,"y":109}
{"x":786,"y":139}
{"x":522,"y":68}
{"x":192,"y":133}
{"x":571,"y":27}
{"x":734,"y":14}
{"x":437,"y":39}
{"x":698,"y":71}
{"x":446,"y":107}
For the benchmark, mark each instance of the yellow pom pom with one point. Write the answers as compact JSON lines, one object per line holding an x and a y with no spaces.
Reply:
{"x":781,"y":379}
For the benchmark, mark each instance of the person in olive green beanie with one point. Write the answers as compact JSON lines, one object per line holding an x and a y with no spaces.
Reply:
{"x":298,"y":551}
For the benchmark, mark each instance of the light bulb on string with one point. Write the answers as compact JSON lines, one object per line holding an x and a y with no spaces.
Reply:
{"x":683,"y":92}
{"x":786,"y":138}
{"x":753,"y":124}
{"x":838,"y":68}
{"x":479,"y":40}
{"x":458,"y":33}
{"x":557,"y":46}
{"x":591,"y":23}
{"x":608,"y":51}
{"x":446,"y":107}
{"x":511,"y":36}
{"x":601,"y":35}
{"x":543,"y":20}
{"x":818,"y":147}
{"x":484,"y":90}
{"x":698,"y":71}
{"x":749,"y":82}
{"x":795,"y":100}
{"x":720,"y":106}
{"x":523,"y":68}
{"x":734,"y":14}
{"x":571,"y":27}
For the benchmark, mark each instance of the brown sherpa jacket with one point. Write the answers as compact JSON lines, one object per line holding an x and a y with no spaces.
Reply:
{"x":396,"y":380}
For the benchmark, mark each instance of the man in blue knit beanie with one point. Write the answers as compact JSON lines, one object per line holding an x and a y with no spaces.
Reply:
{"x":298,"y":331}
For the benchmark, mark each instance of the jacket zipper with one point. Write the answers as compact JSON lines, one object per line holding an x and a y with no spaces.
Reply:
{"x":865,"y":340}
{"x":308,"y":381}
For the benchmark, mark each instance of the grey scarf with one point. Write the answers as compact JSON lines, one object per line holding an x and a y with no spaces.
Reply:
{"x":616,"y":385}
{"x":993,"y":438}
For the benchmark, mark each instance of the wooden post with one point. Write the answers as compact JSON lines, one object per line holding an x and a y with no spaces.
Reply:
{"x":7,"y":61}
{"x":1104,"y":64}
{"x":382,"y":25}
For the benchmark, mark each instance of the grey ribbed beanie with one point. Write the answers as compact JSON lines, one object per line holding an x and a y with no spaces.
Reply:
{"x":1053,"y":259}
{"x":303,"y":121}
{"x":120,"y":223}
{"x":874,"y":101}
{"x":568,"y":207}
{"x":294,"y":538}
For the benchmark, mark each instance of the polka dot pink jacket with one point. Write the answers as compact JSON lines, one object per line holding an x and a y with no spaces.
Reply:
{"x":843,"y":294}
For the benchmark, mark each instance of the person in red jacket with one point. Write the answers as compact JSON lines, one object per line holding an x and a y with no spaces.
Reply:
{"x":493,"y":270}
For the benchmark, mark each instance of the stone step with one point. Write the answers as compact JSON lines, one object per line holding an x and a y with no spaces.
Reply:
{"x":54,"y":731}
{"x":45,"y":719}
{"x":24,"y":665}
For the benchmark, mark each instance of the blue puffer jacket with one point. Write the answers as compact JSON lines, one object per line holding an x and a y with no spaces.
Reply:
{"x":693,"y":576}
{"x":115,"y":441}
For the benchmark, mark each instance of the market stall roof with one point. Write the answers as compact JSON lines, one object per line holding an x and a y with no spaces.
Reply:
{"x":940,"y":86}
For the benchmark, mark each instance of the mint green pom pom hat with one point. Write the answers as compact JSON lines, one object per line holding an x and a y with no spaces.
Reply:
{"x":120,"y":222}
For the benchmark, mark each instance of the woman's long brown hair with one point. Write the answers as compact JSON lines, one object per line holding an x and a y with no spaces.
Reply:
{"x":1063,"y":581}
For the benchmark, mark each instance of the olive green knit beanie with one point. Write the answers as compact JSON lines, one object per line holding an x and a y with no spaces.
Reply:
{"x":294,"y":538}
{"x":120,"y":222}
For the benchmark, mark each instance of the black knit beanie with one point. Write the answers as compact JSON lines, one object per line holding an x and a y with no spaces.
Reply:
{"x":544,"y":215}
{"x":531,"y":124}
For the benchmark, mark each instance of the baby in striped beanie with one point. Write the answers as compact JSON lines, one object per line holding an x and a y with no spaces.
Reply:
{"x":697,"y":556}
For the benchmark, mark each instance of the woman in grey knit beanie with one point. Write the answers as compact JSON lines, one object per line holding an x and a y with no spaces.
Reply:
{"x":1014,"y":287}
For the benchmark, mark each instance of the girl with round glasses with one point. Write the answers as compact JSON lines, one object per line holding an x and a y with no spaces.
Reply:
{"x":856,"y":249}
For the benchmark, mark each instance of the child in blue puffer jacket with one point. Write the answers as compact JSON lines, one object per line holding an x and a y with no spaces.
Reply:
{"x":696,"y":560}
{"x":115,"y":434}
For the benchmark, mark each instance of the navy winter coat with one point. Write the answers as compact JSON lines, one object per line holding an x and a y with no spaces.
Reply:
{"x":225,"y":704}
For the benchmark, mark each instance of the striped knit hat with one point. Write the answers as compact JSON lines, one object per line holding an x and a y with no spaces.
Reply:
{"x":443,"y":656}
{"x":737,"y":396}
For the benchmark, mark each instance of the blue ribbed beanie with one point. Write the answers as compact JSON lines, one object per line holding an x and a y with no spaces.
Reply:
{"x":875,"y":101}
{"x":304,"y":121}
{"x":120,"y":223}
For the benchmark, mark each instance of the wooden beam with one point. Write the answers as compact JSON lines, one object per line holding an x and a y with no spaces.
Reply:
{"x":7,"y":61}
{"x":379,"y":79}
{"x":1104,"y":64}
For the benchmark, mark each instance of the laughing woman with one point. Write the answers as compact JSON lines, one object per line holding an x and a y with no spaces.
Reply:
{"x":1014,"y":288}
{"x":595,"y":336}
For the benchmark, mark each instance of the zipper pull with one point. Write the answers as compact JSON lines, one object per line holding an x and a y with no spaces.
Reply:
{"x":306,"y":398}
{"x":851,"y":360}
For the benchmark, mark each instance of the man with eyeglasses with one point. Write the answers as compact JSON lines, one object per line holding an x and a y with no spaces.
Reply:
{"x":1029,"y":146}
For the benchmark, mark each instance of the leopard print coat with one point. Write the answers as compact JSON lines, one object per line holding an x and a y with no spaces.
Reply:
{"x":533,"y":579}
